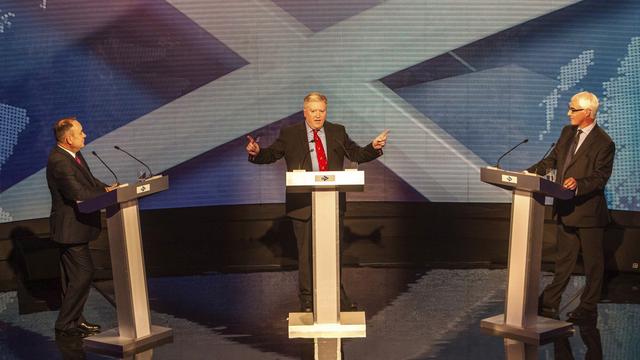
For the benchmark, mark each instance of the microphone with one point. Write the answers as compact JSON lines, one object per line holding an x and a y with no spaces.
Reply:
{"x":345,"y":152}
{"x":510,"y":150}
{"x":136,"y":159}
{"x":107,"y":166}
{"x":306,"y":155}
{"x":543,"y":156}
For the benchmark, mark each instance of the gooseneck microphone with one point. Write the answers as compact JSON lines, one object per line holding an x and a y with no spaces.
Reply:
{"x":107,"y":166}
{"x":136,"y":159}
{"x":510,"y":150}
{"x":306,"y":156}
{"x":346,"y":153}
{"x":543,"y":157}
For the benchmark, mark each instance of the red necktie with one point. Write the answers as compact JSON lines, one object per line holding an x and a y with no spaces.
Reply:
{"x":322,"y":157}
{"x":78,"y":161}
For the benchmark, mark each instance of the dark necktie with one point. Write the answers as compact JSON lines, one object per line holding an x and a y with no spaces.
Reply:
{"x":570,"y":154}
{"x":322,"y":157}
{"x":79,"y":161}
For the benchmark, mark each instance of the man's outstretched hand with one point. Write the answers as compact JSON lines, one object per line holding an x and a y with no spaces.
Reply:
{"x":380,"y":141}
{"x":252,"y":147}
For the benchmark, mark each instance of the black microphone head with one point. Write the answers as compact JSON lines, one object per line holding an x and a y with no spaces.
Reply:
{"x":94,"y":153}
{"x":525,"y":141}
{"x":116,"y":147}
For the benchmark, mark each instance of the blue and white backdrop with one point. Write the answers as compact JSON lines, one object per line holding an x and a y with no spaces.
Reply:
{"x":180,"y":83}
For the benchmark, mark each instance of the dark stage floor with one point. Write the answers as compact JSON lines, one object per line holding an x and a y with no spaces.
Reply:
{"x":411,"y":314}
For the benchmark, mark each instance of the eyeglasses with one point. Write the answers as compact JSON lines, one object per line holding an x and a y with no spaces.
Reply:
{"x":573,"y":110}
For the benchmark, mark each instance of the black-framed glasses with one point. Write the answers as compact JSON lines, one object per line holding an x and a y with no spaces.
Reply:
{"x":574,"y":110}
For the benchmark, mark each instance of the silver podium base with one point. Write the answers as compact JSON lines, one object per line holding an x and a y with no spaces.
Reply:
{"x":352,"y":325}
{"x":110,"y":341}
{"x":544,"y":331}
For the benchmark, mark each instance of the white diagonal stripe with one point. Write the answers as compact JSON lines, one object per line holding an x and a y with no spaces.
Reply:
{"x":343,"y":61}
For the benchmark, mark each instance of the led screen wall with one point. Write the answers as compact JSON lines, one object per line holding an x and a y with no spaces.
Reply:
{"x":180,"y":83}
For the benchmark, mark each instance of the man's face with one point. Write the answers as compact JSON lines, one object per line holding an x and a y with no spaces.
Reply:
{"x":579,"y":115}
{"x":315,"y":113}
{"x":75,"y":137}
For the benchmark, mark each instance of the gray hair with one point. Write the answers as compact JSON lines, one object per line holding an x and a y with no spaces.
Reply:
{"x":589,"y":101}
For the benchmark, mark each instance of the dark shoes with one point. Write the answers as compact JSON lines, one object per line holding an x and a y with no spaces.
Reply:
{"x":550,"y":313}
{"x":75,"y":332}
{"x":89,"y":327}
{"x":349,"y":306}
{"x":306,"y":306}
{"x":580,"y":315}
{"x":81,"y":331}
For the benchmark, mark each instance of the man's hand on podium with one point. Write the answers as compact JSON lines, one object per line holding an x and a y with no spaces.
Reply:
{"x":380,"y":141}
{"x":111,"y":187}
{"x":570,"y":183}
{"x":252,"y":147}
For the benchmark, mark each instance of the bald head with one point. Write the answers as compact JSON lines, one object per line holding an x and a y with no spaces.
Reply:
{"x":69,"y":134}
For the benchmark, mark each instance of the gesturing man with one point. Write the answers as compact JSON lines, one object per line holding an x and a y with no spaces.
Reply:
{"x":313,"y":145}
{"x":70,"y":180}
{"x":583,"y":160}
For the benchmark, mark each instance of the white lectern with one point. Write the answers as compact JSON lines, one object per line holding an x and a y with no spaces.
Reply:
{"x":135,"y":330}
{"x":326,"y":321}
{"x":520,"y":320}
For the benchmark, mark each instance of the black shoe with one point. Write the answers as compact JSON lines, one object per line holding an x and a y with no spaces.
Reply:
{"x":306,"y":306}
{"x":350,"y":306}
{"x":73,"y":333}
{"x":89,"y":327}
{"x":581,"y":315}
{"x":550,"y":313}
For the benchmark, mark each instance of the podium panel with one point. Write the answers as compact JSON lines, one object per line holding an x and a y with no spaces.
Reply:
{"x":135,"y":331}
{"x":326,"y":321}
{"x":520,"y":320}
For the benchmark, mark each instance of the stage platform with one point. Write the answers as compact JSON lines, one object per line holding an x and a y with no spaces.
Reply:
{"x":411,"y":314}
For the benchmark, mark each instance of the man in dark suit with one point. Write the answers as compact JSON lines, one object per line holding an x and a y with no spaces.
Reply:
{"x":313,"y":145}
{"x":70,"y":180}
{"x":583,"y":159}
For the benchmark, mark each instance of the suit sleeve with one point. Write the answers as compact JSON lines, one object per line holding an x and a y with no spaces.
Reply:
{"x":100,"y":183}
{"x":360,"y":154}
{"x":551,"y":161}
{"x":597,"y":180}
{"x":272,"y":153}
{"x":64,"y":175}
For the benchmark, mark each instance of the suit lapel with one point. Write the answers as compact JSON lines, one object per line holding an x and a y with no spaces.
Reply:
{"x":584,"y":146}
{"x":83,"y":169}
{"x":304,"y":142}
{"x":329,"y":135}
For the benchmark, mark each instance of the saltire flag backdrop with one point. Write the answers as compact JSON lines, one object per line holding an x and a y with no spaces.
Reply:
{"x":180,"y":83}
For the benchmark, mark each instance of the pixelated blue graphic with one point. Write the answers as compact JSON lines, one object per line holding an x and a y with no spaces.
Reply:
{"x":12,"y":121}
{"x":196,"y":66}
{"x":570,"y":75}
{"x":620,"y":116}
{"x":5,"y":20}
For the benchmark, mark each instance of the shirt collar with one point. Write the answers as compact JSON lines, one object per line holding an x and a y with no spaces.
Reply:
{"x":587,"y":130}
{"x":309,"y":129}
{"x":67,"y":150}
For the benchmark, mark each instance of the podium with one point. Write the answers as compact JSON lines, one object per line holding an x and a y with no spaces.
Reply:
{"x":135,"y":331}
{"x":520,"y":320}
{"x":326,"y":321}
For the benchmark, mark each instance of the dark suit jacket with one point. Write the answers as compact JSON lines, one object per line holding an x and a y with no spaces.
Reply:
{"x":293,"y":144}
{"x":591,"y":166}
{"x":68,"y":182}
